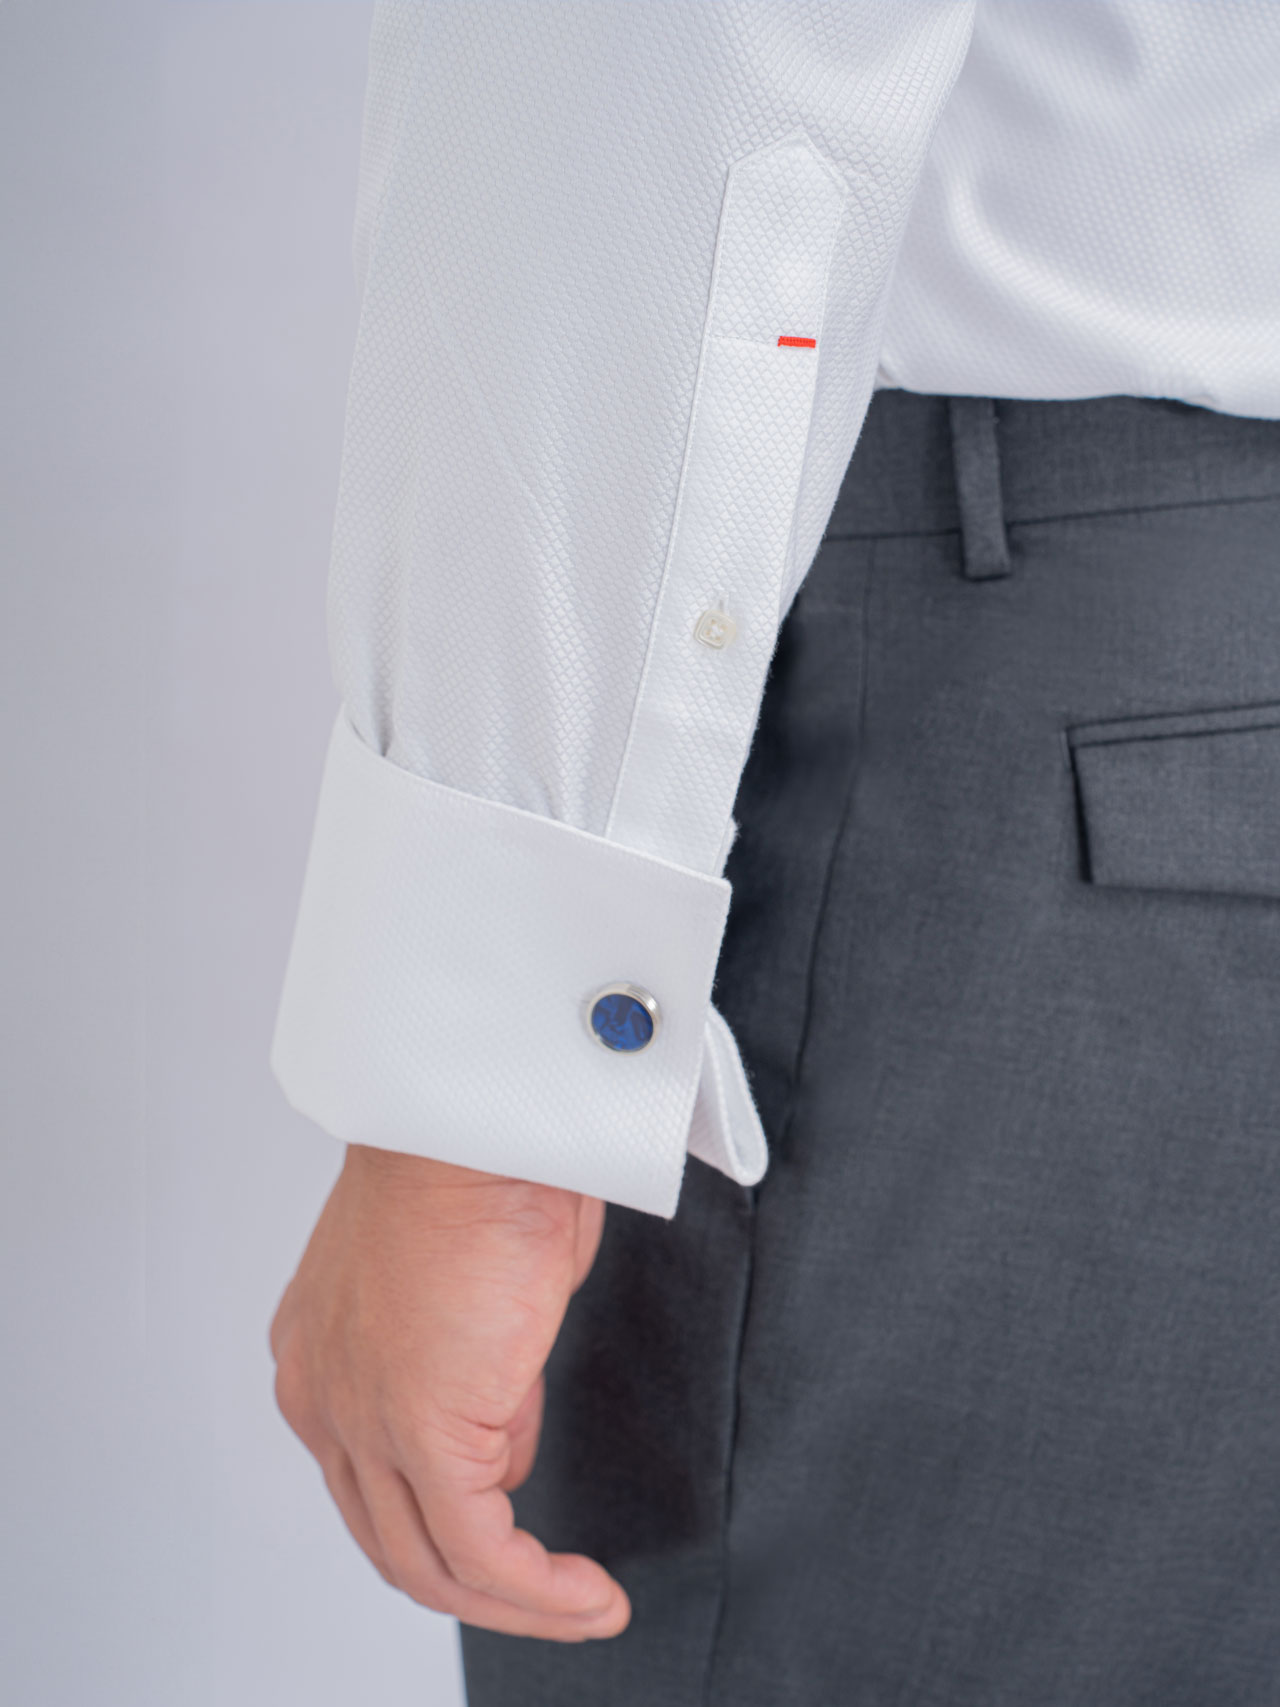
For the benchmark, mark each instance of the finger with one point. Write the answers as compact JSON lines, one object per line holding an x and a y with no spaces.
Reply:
{"x":280,"y":1322}
{"x":418,"y":1570}
{"x":522,"y":1433}
{"x":587,"y":1235}
{"x":341,"y":1480}
{"x":295,"y":1401}
{"x":475,"y":1533}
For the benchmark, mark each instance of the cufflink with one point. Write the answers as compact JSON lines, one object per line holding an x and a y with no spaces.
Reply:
{"x":623,"y":1018}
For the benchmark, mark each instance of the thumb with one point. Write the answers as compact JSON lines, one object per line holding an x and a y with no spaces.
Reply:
{"x":522,"y":1436}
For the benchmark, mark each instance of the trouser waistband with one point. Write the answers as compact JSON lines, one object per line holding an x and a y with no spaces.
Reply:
{"x":980,"y":465}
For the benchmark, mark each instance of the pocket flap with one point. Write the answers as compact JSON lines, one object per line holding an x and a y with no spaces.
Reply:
{"x":1190,"y":801}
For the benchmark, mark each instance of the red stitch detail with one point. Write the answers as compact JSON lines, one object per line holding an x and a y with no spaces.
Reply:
{"x":800,"y":343}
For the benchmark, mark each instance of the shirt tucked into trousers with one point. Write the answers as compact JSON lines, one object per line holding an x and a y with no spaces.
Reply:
{"x":975,"y":1400}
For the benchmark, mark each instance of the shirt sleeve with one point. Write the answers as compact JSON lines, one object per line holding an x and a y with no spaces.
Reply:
{"x":624,"y":270}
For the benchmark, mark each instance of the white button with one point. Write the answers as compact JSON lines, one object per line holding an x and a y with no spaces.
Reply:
{"x":715,"y":628}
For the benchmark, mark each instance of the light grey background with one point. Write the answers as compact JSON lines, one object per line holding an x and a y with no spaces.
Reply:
{"x":176,"y":319}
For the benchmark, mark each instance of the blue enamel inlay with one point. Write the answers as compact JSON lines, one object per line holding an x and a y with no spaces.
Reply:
{"x":622,"y":1022}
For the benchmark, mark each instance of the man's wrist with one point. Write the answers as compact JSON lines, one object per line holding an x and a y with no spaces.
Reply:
{"x":438,"y":1185}
{"x":414,"y":1172}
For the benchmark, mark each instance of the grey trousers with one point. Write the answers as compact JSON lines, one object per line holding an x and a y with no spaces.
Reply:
{"x":975,"y":1401}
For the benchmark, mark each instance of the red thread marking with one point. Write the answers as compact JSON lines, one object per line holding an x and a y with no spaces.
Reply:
{"x":800,"y":343}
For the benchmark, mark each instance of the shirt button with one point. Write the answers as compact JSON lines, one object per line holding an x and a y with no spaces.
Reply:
{"x":623,"y":1018}
{"x":715,"y":628}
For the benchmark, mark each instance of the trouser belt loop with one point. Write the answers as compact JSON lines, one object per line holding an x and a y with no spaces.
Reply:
{"x":976,"y":456}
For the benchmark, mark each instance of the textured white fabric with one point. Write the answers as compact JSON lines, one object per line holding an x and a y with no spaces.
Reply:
{"x":725,"y":1130}
{"x":695,"y":707}
{"x":1100,"y":209}
{"x":583,"y":229}
{"x":446,"y":953}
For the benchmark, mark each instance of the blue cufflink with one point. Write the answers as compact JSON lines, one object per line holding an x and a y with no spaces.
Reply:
{"x":623,"y":1017}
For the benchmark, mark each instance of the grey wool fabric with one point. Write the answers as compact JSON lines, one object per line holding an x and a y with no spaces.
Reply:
{"x":975,"y":1400}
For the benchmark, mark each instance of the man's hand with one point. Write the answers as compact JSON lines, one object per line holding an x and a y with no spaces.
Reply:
{"x":409,"y":1349}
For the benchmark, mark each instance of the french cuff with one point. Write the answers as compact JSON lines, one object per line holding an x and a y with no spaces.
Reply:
{"x":460,"y":970}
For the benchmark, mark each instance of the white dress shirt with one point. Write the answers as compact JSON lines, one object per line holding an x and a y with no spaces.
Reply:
{"x":631,"y":269}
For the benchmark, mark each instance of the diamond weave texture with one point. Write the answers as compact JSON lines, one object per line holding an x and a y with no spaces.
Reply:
{"x":1100,"y":209}
{"x":582,"y":227}
{"x":439,"y":990}
{"x":540,"y":206}
{"x":743,"y":465}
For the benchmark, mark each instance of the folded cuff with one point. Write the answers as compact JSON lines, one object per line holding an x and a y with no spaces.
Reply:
{"x":446,"y":958}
